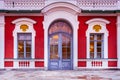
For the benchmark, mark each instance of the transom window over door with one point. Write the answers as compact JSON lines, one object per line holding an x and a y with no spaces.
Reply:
{"x":96,"y":45}
{"x":24,"y":45}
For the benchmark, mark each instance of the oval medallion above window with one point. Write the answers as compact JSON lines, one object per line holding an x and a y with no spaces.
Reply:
{"x":24,"y":27}
{"x":97,"y":28}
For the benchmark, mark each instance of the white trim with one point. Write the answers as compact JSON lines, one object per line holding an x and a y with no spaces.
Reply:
{"x":65,"y":5}
{"x":98,"y":20}
{"x":29,"y":23}
{"x":102,"y":23}
{"x":2,"y":41}
{"x":23,"y":19}
{"x":118,"y":41}
{"x":50,"y":17}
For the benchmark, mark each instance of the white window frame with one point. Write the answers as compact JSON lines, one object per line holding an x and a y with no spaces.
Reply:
{"x":102,"y":22}
{"x":95,"y":45}
{"x":24,"y":46}
{"x":29,"y":23}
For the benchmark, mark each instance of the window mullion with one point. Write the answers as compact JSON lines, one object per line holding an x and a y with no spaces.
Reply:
{"x":95,"y":46}
{"x":102,"y":46}
{"x":24,"y":49}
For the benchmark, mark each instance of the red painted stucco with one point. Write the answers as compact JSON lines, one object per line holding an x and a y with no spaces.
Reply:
{"x":9,"y":27}
{"x":8,"y":64}
{"x":82,"y":64}
{"x":39,"y":64}
{"x":112,"y":63}
{"x":39,"y":38}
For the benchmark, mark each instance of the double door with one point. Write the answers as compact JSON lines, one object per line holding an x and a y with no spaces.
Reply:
{"x":60,"y":52}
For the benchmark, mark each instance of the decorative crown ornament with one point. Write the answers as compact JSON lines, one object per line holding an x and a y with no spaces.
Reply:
{"x":97,"y":28}
{"x":24,"y":27}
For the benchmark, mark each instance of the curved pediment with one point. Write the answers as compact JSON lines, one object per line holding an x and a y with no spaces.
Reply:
{"x":61,"y":6}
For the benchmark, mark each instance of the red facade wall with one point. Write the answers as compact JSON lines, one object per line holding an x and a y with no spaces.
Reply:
{"x":112,"y":63}
{"x":8,"y":64}
{"x":112,"y":43}
{"x":82,"y":64}
{"x":39,"y":64}
{"x":39,"y":38}
{"x":9,"y":27}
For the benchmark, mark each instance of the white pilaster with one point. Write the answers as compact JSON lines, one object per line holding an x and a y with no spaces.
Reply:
{"x":2,"y":46}
{"x":118,"y":41}
{"x":45,"y":46}
{"x":75,"y":45}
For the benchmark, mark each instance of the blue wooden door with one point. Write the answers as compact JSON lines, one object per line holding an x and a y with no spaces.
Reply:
{"x":60,"y":52}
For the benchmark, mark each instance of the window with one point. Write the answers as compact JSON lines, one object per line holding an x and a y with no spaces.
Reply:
{"x":60,"y":26}
{"x":96,"y":45}
{"x":24,"y":45}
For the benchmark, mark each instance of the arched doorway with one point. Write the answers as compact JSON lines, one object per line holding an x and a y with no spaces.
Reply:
{"x":60,"y":46}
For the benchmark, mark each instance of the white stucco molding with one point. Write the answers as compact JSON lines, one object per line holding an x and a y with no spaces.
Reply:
{"x":61,"y":11}
{"x":29,"y":22}
{"x":118,"y":41}
{"x":61,"y":6}
{"x":98,"y":20}
{"x":2,"y":40}
{"x":102,"y":22}
{"x":23,"y":19}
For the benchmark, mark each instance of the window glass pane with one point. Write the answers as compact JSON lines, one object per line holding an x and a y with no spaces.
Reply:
{"x":21,"y":37}
{"x":91,"y":37}
{"x":91,"y":55}
{"x":28,"y":49}
{"x":99,"y":55}
{"x":98,"y":49}
{"x":28,"y":37}
{"x":99,"y":44}
{"x":59,"y":26}
{"x":66,"y":49}
{"x":20,"y":55}
{"x":64,"y":53}
{"x":99,"y":37}
{"x":28,"y":55}
{"x":28,"y":43}
{"x":20,"y":46}
{"x":54,"y":47}
{"x":92,"y":46}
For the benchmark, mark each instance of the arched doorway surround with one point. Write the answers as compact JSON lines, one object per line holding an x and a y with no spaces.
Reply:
{"x":61,"y":11}
{"x":60,"y":47}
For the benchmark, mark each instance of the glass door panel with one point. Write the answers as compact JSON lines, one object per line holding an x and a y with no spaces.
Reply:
{"x":66,"y":48}
{"x":54,"y":47}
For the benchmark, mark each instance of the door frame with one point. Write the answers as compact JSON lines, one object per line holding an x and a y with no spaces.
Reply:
{"x":59,"y":46}
{"x":69,"y":14}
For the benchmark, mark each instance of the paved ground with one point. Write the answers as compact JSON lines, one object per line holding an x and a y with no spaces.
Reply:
{"x":60,"y":75}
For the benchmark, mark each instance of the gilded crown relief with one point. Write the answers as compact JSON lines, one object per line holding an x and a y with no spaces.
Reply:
{"x":24,"y":27}
{"x":97,"y":28}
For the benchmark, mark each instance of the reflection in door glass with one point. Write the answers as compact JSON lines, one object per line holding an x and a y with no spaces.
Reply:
{"x":66,"y":49}
{"x":54,"y":47}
